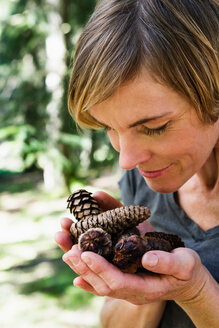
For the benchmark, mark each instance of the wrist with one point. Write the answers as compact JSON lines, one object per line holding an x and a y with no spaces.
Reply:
{"x":195,"y":290}
{"x":202,"y":308}
{"x":208,"y":289}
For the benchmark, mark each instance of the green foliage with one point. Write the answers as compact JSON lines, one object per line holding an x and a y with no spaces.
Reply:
{"x":20,"y":147}
{"x":22,"y":65}
{"x":35,"y":126}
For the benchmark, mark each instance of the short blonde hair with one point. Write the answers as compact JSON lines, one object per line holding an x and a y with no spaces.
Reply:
{"x":176,"y":41}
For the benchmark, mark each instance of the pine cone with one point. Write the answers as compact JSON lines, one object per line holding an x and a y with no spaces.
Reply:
{"x":130,"y":248}
{"x":113,"y":221}
{"x":128,"y":253}
{"x":174,"y":240}
{"x":113,"y":234}
{"x":82,"y":204}
{"x":96,"y":240}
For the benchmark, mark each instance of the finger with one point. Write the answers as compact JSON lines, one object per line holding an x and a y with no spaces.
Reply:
{"x":107,"y":271}
{"x":63,"y":240}
{"x":121,"y":285}
{"x":74,"y":258}
{"x":106,"y":201}
{"x":66,"y":224}
{"x":80,"y":282}
{"x":179,"y":263}
{"x":145,"y":227}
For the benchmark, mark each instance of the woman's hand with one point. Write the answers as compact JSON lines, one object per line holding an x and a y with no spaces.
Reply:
{"x":181,"y":276}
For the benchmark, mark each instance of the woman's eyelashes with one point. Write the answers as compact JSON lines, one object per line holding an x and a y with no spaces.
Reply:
{"x":155,"y":131}
{"x":146,"y":130}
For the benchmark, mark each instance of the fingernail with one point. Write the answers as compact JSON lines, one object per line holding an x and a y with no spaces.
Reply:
{"x":150,"y":260}
{"x":75,"y":281}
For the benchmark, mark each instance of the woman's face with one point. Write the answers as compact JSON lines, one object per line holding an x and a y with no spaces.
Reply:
{"x":156,"y":130}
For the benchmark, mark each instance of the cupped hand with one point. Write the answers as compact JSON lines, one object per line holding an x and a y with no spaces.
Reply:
{"x":180,"y":276}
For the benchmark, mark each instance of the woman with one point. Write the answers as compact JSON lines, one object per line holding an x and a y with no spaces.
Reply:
{"x":148,"y":72}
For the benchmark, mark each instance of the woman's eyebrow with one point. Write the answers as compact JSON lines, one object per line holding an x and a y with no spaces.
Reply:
{"x":98,"y":122}
{"x":142,"y":121}
{"x":148,"y":119}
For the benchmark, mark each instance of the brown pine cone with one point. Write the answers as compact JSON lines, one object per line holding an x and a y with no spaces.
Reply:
{"x":113,"y":234}
{"x":129,"y":249}
{"x":96,"y":240}
{"x":82,"y":204}
{"x":113,"y":221}
{"x":128,"y":253}
{"x":174,"y":240}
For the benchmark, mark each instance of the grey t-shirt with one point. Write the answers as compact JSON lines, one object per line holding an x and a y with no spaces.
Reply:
{"x":167,"y":216}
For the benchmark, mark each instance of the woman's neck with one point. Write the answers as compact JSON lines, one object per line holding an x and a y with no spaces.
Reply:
{"x":198,"y":197}
{"x":208,"y":175}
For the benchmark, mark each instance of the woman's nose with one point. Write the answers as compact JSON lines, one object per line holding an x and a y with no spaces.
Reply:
{"x":132,"y":153}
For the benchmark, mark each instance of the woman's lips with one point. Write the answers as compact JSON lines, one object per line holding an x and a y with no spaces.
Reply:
{"x":155,"y":173}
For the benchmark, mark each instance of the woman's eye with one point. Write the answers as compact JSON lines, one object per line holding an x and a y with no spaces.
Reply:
{"x":157,"y":131}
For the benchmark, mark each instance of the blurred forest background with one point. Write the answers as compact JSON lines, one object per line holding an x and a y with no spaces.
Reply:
{"x":43,"y":158}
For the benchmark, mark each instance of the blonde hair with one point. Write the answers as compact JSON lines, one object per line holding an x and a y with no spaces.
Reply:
{"x":176,"y":41}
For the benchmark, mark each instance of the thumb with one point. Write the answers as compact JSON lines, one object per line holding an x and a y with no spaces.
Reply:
{"x":106,"y":201}
{"x":179,"y":263}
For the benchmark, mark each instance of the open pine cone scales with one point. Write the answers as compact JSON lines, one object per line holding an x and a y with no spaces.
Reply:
{"x":113,"y":233}
{"x":82,"y":204}
{"x":113,"y":221}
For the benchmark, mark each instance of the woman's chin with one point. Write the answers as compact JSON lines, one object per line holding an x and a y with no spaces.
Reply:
{"x":163,"y":188}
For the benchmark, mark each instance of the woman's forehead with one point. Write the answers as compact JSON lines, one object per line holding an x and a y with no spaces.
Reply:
{"x":141,"y":95}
